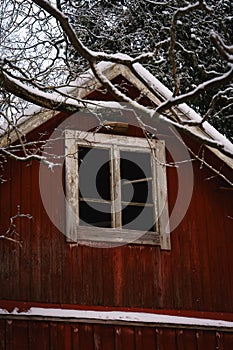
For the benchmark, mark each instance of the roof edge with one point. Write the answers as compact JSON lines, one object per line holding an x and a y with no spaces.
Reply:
{"x":86,"y":83}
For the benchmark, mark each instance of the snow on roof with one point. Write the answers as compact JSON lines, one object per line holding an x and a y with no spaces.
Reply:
{"x":86,"y":82}
{"x":118,"y":316}
{"x":184,"y":108}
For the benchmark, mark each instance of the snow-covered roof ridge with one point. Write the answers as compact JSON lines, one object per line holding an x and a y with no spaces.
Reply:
{"x":187,"y":110}
{"x":85,"y":83}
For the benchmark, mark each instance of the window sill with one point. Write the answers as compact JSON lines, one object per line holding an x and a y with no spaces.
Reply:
{"x":91,"y":235}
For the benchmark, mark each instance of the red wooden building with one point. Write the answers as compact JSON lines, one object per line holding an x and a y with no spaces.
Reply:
{"x":125,"y":249}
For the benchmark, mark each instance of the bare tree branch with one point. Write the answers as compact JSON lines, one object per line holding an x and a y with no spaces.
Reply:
{"x":12,"y":233}
{"x":35,"y":66}
{"x":213,"y":83}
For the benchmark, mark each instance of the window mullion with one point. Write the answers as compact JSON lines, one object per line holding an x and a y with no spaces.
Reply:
{"x":154,"y":187}
{"x":116,"y":187}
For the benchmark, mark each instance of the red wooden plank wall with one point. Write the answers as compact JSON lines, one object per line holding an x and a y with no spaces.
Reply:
{"x":27,"y":335}
{"x":195,"y":275}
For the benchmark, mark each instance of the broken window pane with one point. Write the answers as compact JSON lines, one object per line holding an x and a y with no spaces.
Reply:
{"x":136,"y":191}
{"x":136,"y":175}
{"x":94,"y":173}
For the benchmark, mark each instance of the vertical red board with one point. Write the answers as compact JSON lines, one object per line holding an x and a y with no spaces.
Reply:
{"x":109,"y":265}
{"x":117,"y":330}
{"x":2,"y":334}
{"x":9,"y":334}
{"x":57,"y":215}
{"x":29,"y":280}
{"x":97,"y":276}
{"x":39,"y":335}
{"x":145,"y":338}
{"x":72,"y":287}
{"x":58,"y":340}
{"x":128,"y":268}
{"x":53,"y":336}
{"x":219,"y":340}
{"x":196,"y":238}
{"x":71,"y":266}
{"x":9,"y":250}
{"x":137,"y":279}
{"x":36,"y":235}
{"x":206,"y":340}
{"x":186,"y":339}
{"x":16,"y":335}
{"x":87,"y":274}
{"x":65,"y":336}
{"x":226,"y":259}
{"x":125,"y":338}
{"x":149,"y":338}
{"x":227,"y":341}
{"x":212,"y":292}
{"x":166,"y":338}
{"x":45,"y":242}
{"x":86,"y":338}
{"x":74,"y":334}
{"x":103,"y":337}
{"x":15,"y":210}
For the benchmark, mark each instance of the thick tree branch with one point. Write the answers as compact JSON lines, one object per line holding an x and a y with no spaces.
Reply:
{"x":32,"y":83}
{"x":35,"y":96}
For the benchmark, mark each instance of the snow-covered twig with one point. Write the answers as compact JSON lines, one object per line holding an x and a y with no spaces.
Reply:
{"x":11,"y":232}
{"x":189,"y":96}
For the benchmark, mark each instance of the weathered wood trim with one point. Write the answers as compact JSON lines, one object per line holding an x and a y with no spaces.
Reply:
{"x":164,"y":226}
{"x":89,"y":138}
{"x":119,"y":318}
{"x":116,"y":186}
{"x":88,"y":234}
{"x":117,"y":322}
{"x":27,"y":126}
{"x":72,"y":185}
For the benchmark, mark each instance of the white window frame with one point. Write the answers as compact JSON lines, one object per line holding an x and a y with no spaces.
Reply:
{"x":78,"y":233}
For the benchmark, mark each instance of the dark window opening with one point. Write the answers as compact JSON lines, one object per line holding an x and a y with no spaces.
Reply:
{"x":95,"y":198}
{"x":138,"y":218}
{"x":94,"y":173}
{"x":94,"y":187}
{"x":95,"y":214}
{"x":136,"y":191}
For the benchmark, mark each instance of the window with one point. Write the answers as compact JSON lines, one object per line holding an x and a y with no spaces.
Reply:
{"x":116,"y":189}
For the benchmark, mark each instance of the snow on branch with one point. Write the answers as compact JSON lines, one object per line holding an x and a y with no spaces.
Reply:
{"x":33,"y":95}
{"x":172,"y":55}
{"x":210,"y":84}
{"x":12,"y":234}
{"x":225,"y":50}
